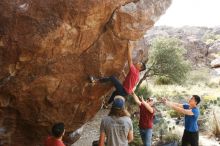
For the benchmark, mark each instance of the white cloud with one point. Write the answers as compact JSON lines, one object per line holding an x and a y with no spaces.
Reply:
{"x":192,"y":13}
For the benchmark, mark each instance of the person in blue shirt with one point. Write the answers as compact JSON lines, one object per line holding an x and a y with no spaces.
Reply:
{"x":191,"y":112}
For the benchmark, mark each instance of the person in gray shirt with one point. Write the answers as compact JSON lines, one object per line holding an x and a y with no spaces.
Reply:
{"x":117,"y":127}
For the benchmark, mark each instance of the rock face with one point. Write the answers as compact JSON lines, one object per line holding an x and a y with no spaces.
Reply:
{"x":197,"y":52}
{"x":47,"y":50}
{"x":215,"y":47}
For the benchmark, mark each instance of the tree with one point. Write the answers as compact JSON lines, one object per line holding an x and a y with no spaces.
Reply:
{"x":166,"y":62}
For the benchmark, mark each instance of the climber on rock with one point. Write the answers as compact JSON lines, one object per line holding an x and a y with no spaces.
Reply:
{"x":131,"y":79}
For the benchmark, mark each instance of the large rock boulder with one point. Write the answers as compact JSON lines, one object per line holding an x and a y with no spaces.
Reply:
{"x":197,"y":52}
{"x":47,"y":50}
{"x":215,"y":47}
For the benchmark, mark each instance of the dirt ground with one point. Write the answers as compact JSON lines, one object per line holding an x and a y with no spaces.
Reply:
{"x":91,"y":129}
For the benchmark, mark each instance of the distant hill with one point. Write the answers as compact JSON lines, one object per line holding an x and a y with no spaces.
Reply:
{"x":202,"y":43}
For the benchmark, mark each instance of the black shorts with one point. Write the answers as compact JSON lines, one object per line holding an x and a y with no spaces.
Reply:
{"x":191,"y":138}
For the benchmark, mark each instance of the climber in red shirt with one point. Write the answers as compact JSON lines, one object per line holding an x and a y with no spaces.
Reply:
{"x":57,"y":135}
{"x":130,"y":81}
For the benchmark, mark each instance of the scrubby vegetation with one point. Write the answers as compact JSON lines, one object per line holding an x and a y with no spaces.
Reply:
{"x":170,"y":75}
{"x":167,"y":62}
{"x":210,"y":38}
{"x":166,"y":120}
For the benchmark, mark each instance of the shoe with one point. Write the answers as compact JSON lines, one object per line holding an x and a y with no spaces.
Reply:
{"x":92,"y":79}
{"x":105,"y":105}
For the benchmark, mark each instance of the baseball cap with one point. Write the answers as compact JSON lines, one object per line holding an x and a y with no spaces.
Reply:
{"x":118,"y":102}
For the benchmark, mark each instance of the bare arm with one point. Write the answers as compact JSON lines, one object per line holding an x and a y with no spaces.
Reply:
{"x":102,"y":139}
{"x":130,"y":48}
{"x":148,"y":107}
{"x":136,"y":99}
{"x":178,"y":104}
{"x":130,"y":136}
{"x":174,"y":103}
{"x":179,"y":109}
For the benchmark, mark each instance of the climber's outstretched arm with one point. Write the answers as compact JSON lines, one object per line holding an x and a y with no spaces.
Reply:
{"x":178,"y":107}
{"x":130,"y":49}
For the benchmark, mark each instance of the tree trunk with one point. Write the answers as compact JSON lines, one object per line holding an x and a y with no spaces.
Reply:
{"x":146,"y":74}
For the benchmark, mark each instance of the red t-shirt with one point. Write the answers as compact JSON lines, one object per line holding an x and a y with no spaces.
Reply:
{"x":146,"y":118}
{"x":131,"y":79}
{"x":51,"y":141}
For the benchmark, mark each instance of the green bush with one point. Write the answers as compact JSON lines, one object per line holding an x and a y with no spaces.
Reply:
{"x":202,"y":111}
{"x":163,"y":80}
{"x":160,"y":127}
{"x":144,"y":91}
{"x":174,"y":114}
{"x":137,"y":138}
{"x":166,"y":61}
{"x":170,"y":137}
{"x":210,"y":38}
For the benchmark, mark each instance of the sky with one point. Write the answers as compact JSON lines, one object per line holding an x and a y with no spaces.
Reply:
{"x":192,"y":13}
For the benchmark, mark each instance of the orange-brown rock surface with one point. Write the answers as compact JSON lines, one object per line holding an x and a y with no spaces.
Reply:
{"x":47,"y":50}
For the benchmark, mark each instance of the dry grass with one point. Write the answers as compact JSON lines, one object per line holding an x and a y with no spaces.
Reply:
{"x":177,"y":90}
{"x":199,"y":82}
{"x":214,"y":121}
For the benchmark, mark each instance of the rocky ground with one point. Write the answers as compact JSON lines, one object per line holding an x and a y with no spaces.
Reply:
{"x":91,"y":129}
{"x":204,"y":138}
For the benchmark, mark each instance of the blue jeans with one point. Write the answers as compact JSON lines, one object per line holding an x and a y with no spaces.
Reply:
{"x":146,"y":136}
{"x":118,"y":86}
